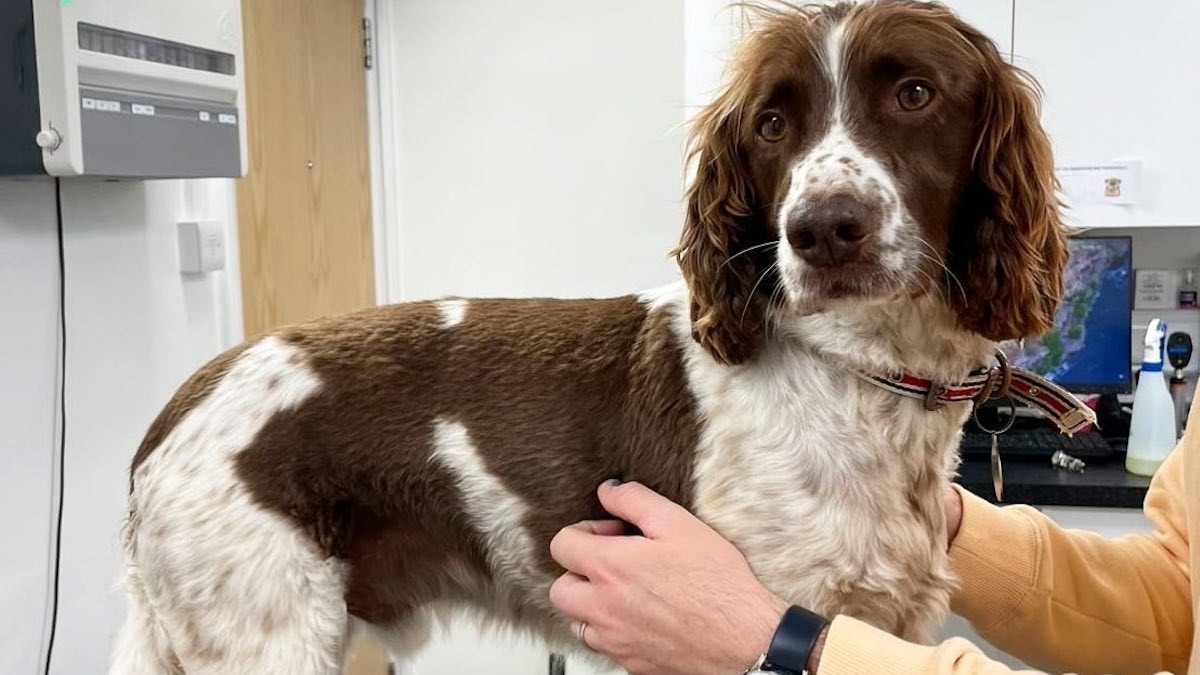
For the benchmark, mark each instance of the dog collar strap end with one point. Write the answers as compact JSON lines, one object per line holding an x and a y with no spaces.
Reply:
{"x":1069,"y":413}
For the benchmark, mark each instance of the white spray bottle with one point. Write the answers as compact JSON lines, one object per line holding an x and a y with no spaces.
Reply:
{"x":1152,"y":429}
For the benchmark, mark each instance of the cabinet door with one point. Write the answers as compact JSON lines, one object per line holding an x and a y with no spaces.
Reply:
{"x":1120,"y":85}
{"x":993,"y":17}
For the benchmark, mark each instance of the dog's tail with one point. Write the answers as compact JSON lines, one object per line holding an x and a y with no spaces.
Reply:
{"x":142,"y":646}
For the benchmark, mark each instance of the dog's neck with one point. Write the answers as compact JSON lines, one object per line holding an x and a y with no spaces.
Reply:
{"x":918,"y":336}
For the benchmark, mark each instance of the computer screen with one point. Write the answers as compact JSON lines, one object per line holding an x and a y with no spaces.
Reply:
{"x":1088,"y":350}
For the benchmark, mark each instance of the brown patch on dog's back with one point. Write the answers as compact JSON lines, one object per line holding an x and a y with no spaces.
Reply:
{"x":555,"y":395}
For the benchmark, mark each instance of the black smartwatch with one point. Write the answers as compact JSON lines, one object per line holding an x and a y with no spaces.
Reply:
{"x":794,"y":640}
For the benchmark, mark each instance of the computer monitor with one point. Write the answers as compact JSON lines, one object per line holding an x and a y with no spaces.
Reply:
{"x":1088,"y":350}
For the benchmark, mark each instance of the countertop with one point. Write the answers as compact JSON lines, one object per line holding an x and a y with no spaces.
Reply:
{"x":1103,"y":483}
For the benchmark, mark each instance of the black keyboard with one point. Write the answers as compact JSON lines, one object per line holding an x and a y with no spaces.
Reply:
{"x":1038,"y":443}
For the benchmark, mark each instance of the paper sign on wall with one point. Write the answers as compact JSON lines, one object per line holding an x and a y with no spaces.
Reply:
{"x":1114,"y":183}
{"x":1155,"y":289}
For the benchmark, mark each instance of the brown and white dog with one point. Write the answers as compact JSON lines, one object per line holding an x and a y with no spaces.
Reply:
{"x":873,"y":193}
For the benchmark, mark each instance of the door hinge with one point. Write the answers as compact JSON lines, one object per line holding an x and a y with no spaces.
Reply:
{"x":368,"y":44}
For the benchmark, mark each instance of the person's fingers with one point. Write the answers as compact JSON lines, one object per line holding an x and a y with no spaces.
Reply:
{"x":584,"y":633}
{"x":643,"y":508}
{"x":604,"y":528}
{"x":572,"y":595}
{"x":576,"y":598}
{"x":574,"y":547}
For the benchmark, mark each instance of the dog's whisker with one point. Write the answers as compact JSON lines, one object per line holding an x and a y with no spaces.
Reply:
{"x":776,"y":294}
{"x":747,"y":250}
{"x":934,"y":257}
{"x":940,"y":262}
{"x":750,"y":298}
{"x":931,"y":282}
{"x":929,"y":279}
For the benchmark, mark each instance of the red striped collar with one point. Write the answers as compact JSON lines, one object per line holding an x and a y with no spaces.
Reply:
{"x":995,"y":382}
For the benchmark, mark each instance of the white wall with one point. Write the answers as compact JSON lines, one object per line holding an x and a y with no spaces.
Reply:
{"x":28,"y":400}
{"x":711,"y":28}
{"x":539,"y":145}
{"x":135,"y":329}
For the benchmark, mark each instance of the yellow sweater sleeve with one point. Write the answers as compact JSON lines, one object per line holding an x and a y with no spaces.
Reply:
{"x":1071,"y":600}
{"x":1064,"y":601}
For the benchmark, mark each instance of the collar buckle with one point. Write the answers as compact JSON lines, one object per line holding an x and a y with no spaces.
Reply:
{"x":933,"y":397}
{"x":999,"y":379}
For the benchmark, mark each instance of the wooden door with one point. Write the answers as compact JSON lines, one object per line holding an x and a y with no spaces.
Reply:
{"x":304,"y":210}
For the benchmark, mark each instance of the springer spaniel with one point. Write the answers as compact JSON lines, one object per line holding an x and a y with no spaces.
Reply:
{"x":873,"y":195}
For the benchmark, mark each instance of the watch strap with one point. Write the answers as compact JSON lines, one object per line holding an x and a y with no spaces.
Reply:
{"x":794,"y":640}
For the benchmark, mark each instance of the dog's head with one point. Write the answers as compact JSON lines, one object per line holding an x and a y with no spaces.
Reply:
{"x":866,"y":153}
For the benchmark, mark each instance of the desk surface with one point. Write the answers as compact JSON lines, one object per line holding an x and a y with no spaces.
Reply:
{"x":1037,"y":482}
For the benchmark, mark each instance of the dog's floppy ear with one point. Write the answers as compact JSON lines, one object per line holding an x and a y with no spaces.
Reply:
{"x":1010,"y":251}
{"x":726,"y":319}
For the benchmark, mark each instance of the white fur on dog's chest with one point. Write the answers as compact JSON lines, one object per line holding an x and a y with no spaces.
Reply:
{"x":817,"y":475}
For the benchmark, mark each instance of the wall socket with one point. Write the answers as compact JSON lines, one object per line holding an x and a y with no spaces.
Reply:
{"x":201,"y":246}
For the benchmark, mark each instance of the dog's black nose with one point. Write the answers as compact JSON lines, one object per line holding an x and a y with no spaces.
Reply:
{"x":832,"y":231}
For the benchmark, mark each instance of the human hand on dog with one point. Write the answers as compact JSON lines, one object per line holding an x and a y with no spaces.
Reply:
{"x":677,"y":600}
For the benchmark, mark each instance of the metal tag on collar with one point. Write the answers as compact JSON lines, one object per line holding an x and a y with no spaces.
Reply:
{"x":997,"y":469}
{"x":997,"y":466}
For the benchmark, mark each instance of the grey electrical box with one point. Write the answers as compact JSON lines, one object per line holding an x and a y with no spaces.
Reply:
{"x":122,"y":88}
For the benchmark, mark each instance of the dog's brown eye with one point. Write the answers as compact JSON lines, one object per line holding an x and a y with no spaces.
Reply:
{"x":771,"y":127}
{"x":914,"y":95}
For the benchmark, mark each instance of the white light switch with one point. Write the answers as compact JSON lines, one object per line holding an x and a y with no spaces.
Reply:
{"x":201,"y":246}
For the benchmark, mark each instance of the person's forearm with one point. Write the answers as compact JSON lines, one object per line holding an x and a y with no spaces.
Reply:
{"x":1075,"y":601}
{"x":854,"y":648}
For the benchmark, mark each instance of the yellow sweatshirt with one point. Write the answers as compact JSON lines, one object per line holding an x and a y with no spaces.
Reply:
{"x":1060,"y":600}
